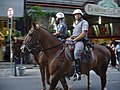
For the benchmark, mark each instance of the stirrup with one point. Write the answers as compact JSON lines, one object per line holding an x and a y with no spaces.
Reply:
{"x":77,"y":77}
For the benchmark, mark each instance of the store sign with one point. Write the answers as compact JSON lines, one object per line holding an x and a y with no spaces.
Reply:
{"x":107,"y":8}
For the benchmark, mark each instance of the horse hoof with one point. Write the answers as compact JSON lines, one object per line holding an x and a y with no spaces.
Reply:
{"x":57,"y":88}
{"x":105,"y":88}
{"x":69,"y":88}
{"x":43,"y":89}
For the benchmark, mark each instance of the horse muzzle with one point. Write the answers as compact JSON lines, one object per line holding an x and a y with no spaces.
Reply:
{"x":25,"y":49}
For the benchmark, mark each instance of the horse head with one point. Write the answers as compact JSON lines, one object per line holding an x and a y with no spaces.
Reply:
{"x":38,"y":38}
{"x":31,"y":41}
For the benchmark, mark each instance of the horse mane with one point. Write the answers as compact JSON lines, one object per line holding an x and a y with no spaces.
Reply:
{"x":45,"y":30}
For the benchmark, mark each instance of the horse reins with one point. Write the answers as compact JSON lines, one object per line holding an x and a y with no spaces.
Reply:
{"x":47,"y":48}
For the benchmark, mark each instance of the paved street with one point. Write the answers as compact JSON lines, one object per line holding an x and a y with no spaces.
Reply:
{"x":31,"y":80}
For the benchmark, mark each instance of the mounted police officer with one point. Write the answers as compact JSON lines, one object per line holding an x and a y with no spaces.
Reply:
{"x":79,"y":34}
{"x":61,"y":32}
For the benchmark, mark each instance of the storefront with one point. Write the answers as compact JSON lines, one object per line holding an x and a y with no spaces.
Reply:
{"x":106,"y":27}
{"x":18,"y":11}
{"x":104,"y":20}
{"x":4,"y":34}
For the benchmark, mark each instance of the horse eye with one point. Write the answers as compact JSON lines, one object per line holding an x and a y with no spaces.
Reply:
{"x":31,"y":34}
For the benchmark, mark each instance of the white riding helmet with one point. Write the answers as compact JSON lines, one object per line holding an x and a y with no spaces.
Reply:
{"x":76,"y":11}
{"x":60,"y":15}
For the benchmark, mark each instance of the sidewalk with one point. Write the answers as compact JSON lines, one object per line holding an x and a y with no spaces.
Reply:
{"x":30,"y":70}
{"x":6,"y":70}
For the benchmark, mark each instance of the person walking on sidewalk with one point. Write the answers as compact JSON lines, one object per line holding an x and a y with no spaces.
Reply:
{"x":117,"y":51}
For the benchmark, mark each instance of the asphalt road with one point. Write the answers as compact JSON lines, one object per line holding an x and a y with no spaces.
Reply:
{"x":31,"y":81}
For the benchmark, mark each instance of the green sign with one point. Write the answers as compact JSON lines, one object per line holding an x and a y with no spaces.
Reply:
{"x":107,"y":8}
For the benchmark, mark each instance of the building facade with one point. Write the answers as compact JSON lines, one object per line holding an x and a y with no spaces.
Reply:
{"x":102,"y":28}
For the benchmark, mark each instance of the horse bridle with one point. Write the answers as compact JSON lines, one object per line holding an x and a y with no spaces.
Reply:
{"x":37,"y":47}
{"x":52,"y":47}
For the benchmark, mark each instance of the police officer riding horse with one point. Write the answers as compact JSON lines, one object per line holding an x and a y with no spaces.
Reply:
{"x":79,"y":36}
{"x":61,"y":32}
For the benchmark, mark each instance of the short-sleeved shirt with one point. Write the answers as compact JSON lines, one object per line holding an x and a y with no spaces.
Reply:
{"x":79,"y":27}
{"x":62,"y":27}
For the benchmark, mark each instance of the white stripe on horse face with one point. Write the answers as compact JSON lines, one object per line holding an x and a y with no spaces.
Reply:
{"x":23,"y":48}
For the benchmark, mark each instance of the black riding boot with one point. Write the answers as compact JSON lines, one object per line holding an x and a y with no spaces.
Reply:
{"x":78,"y":67}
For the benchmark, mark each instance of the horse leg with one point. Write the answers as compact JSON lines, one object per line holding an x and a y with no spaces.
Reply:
{"x":103,"y":81}
{"x":47,"y":75}
{"x":54,"y":81}
{"x":102,"y":73}
{"x":64,"y":83}
{"x":42,"y":70}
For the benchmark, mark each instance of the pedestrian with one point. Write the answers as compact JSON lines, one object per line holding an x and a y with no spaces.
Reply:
{"x":117,"y":51}
{"x":61,"y":32}
{"x":6,"y":57}
{"x":111,"y":48}
{"x":3,"y":50}
{"x":79,"y":34}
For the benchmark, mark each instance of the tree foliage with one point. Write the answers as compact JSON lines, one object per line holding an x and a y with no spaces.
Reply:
{"x":36,"y":13}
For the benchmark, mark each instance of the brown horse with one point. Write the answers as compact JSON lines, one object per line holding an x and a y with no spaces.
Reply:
{"x":40,"y":59}
{"x":58,"y":64}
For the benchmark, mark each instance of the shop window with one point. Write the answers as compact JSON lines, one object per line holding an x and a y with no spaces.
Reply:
{"x":110,"y":29}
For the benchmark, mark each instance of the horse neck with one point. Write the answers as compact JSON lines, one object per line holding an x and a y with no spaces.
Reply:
{"x":49,"y":41}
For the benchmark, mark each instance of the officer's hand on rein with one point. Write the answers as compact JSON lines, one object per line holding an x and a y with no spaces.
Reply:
{"x":74,"y":41}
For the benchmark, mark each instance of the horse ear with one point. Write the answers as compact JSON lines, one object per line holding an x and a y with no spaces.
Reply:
{"x":34,"y":25}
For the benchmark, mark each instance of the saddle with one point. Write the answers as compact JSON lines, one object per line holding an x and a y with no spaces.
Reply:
{"x":69,"y":49}
{"x":86,"y":53}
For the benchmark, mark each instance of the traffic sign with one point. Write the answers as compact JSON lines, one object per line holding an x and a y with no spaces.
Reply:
{"x":10,"y":12}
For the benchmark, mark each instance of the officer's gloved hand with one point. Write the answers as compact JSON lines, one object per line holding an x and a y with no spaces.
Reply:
{"x":74,"y":41}
{"x":63,"y":40}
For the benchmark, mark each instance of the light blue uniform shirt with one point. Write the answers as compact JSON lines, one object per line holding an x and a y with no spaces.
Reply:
{"x":62,"y":27}
{"x":79,"y":27}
